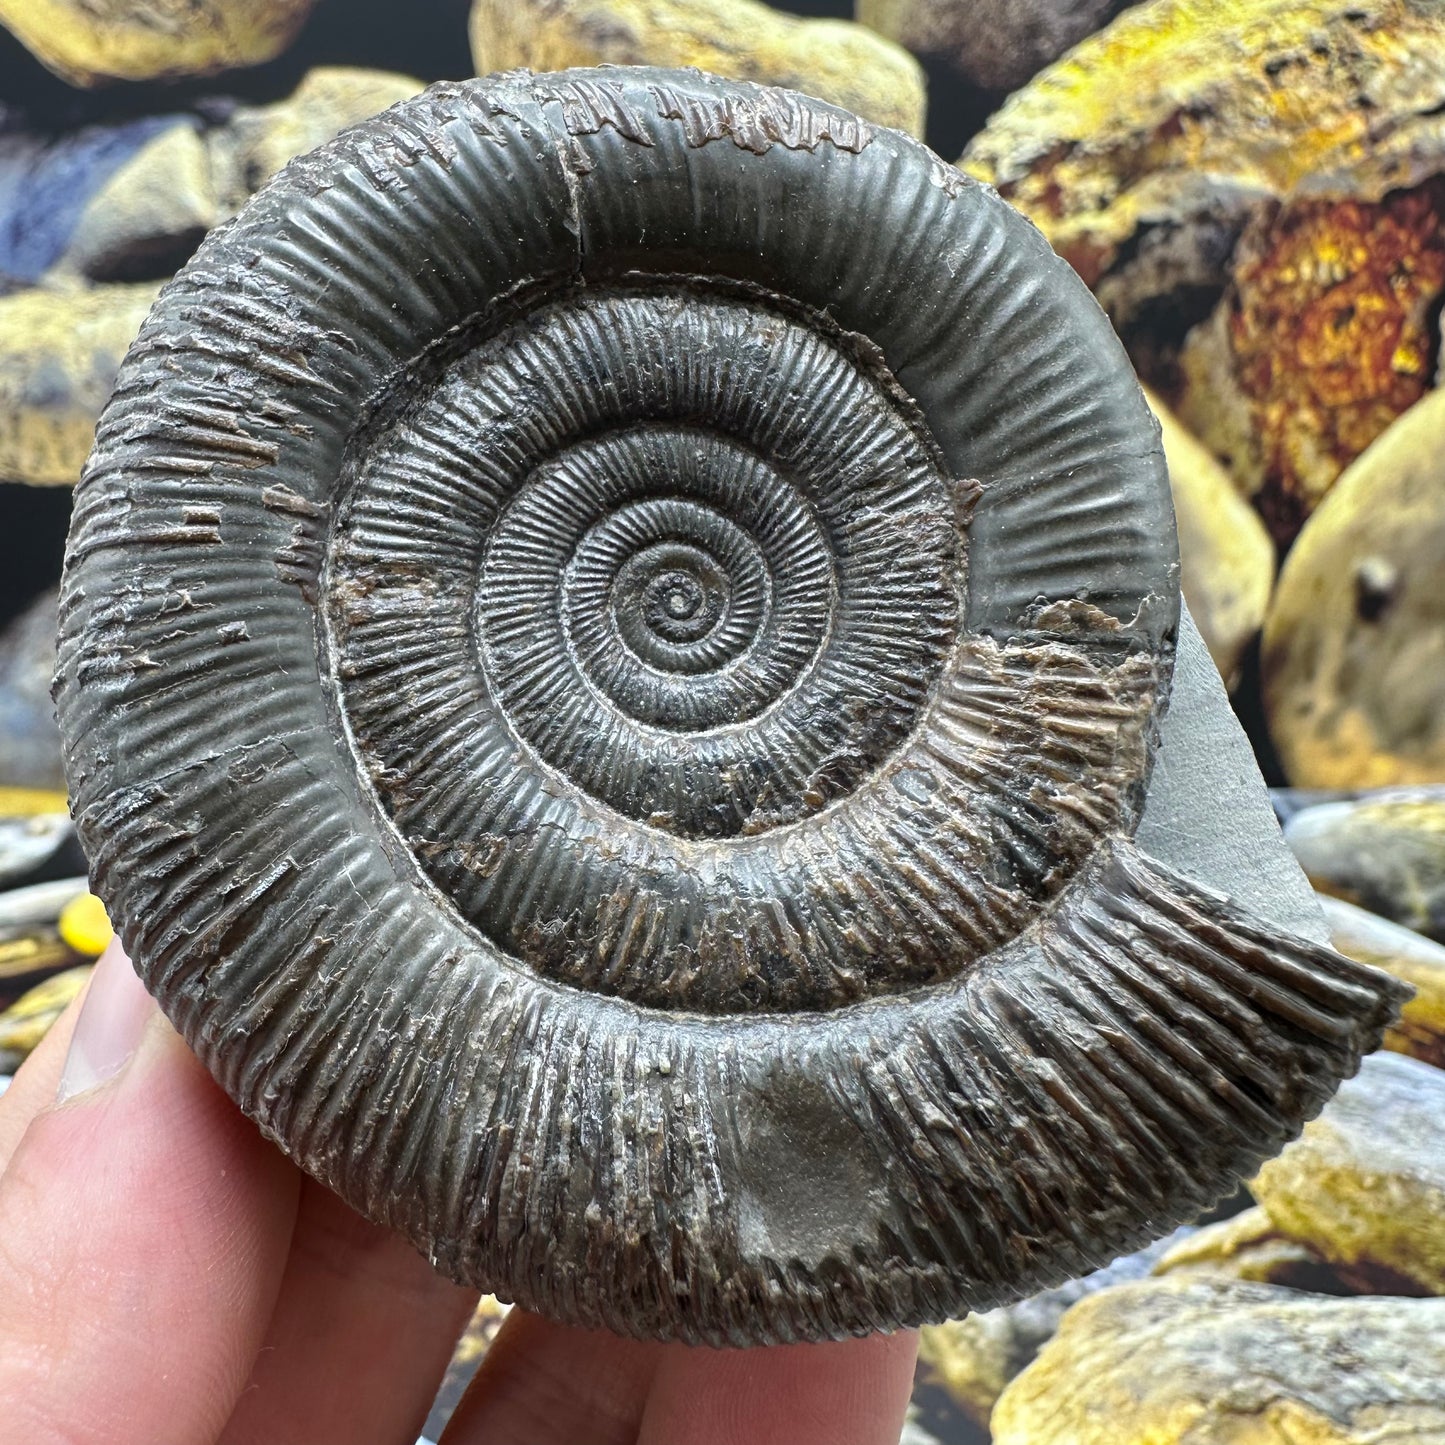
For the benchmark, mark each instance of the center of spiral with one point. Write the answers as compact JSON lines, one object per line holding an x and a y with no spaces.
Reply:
{"x":669,"y":596}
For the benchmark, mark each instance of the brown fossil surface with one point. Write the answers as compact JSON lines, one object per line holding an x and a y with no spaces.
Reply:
{"x":1253,"y":190}
{"x":626,"y":722}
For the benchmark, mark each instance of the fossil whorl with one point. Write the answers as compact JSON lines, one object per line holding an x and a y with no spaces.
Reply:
{"x":613,"y":642}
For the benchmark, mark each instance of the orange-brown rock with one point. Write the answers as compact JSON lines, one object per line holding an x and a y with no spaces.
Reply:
{"x":1263,"y":174}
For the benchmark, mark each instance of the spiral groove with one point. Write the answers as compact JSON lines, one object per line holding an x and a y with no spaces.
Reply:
{"x":678,"y":572}
{"x":618,"y":716}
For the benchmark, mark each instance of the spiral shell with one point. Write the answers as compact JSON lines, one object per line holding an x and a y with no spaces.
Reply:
{"x":613,"y":644}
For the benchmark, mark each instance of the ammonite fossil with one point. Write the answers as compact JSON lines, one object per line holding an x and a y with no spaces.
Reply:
{"x":613,"y":643}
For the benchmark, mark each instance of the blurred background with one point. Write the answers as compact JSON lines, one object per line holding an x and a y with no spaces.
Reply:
{"x":1255,"y":192}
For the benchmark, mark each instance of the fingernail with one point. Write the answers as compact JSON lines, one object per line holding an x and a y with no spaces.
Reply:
{"x":109,"y":1028}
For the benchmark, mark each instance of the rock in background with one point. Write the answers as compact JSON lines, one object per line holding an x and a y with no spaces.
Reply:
{"x":743,"y":39}
{"x":1354,"y":649}
{"x":91,"y":41}
{"x":994,"y":44}
{"x":1252,"y":188}
{"x":1205,"y":1362}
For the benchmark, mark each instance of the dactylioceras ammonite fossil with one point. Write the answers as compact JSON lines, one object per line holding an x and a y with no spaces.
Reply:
{"x":613,"y":642}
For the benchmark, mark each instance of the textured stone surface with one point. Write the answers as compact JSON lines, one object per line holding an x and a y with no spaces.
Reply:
{"x":108,"y":203}
{"x":90,"y":41}
{"x":835,"y":60}
{"x":996,"y":44}
{"x":1365,"y":1183}
{"x":29,"y":842}
{"x":1225,"y":555}
{"x":31,"y":1016}
{"x":258,"y":140}
{"x":1203,"y":1362}
{"x":641,"y":604}
{"x":1354,"y":645}
{"x":1251,"y":1247}
{"x":1382,"y":850}
{"x":29,"y":738}
{"x":1271,"y":162}
{"x":1420,"y":962}
{"x":59,"y":350}
{"x":974,"y":1358}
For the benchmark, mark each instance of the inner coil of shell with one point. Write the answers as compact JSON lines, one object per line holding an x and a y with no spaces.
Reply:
{"x":613,"y":642}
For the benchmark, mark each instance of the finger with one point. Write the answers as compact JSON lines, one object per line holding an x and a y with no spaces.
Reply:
{"x":360,"y":1338}
{"x":34,"y":1085}
{"x":549,"y":1384}
{"x":854,"y":1392}
{"x":143,"y":1230}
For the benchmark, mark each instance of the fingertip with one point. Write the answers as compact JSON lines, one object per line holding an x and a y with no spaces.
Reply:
{"x":145,"y":1225}
{"x":848,"y":1392}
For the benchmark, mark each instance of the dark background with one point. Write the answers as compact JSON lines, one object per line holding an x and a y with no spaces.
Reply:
{"x":425,"y":38}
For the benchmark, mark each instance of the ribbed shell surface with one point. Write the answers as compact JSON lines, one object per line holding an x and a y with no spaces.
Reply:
{"x":613,"y":641}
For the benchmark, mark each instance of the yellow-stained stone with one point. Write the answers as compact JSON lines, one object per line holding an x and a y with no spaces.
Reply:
{"x":1354,"y":645}
{"x":1247,"y":1247}
{"x":1364,"y":1185}
{"x":90,"y":41}
{"x":973,"y":1359}
{"x":1283,"y":158}
{"x":85,"y":926}
{"x":1186,"y":106}
{"x":835,"y":60}
{"x":31,"y":802}
{"x":1192,"y":1361}
{"x":1226,"y":556}
{"x":59,"y":351}
{"x":31,"y":1016}
{"x":1420,"y":1031}
{"x":258,"y":140}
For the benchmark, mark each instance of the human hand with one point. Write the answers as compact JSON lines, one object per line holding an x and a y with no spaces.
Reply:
{"x":170,"y":1278}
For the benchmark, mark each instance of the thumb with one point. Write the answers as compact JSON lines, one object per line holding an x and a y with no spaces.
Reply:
{"x":144,"y":1224}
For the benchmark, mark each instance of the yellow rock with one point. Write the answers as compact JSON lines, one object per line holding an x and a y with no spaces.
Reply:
{"x":1189,"y":1361}
{"x":1226,"y":556}
{"x":31,"y":1016}
{"x":85,"y":926}
{"x":836,"y":60}
{"x":59,"y":350}
{"x":1203,"y":107}
{"x":1364,"y":1185}
{"x":1420,"y":1031}
{"x":258,"y":140}
{"x":1283,"y":158}
{"x":31,"y":802}
{"x":1354,"y":645}
{"x":121,"y":202}
{"x":973,"y":1358}
{"x":1247,"y":1247}
{"x":89,"y":41}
